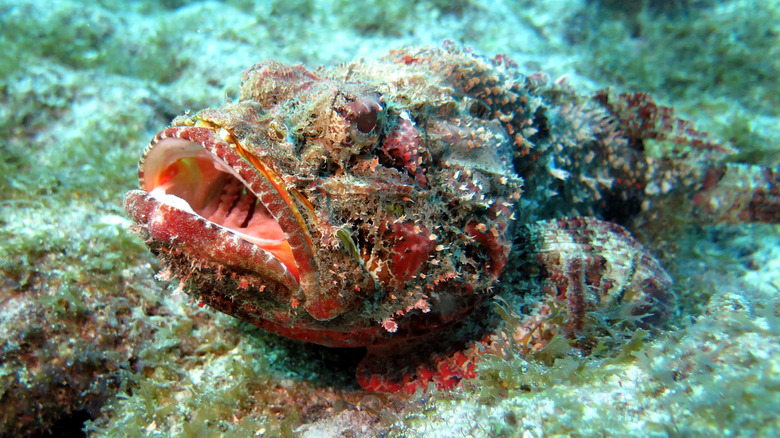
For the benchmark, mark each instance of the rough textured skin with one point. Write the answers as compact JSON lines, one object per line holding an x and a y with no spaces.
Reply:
{"x":387,"y":195}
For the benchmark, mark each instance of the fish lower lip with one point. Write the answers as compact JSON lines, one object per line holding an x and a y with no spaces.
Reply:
{"x":182,"y":229}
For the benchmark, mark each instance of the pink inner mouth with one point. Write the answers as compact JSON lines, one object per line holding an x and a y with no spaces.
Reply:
{"x":184,"y":175}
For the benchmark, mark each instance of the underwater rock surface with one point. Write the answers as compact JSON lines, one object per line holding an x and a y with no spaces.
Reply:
{"x":87,"y":333}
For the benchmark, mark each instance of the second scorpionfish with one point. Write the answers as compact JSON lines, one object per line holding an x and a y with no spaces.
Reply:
{"x":380,"y":203}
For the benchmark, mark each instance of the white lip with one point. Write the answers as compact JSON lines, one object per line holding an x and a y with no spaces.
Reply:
{"x":172,"y":200}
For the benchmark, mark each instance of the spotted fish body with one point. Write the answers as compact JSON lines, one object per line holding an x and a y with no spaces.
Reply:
{"x":375,"y":203}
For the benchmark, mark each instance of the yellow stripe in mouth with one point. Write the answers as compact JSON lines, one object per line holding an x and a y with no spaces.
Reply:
{"x":266,"y":171}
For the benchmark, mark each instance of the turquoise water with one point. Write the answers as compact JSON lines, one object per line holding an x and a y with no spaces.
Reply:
{"x":91,"y":339}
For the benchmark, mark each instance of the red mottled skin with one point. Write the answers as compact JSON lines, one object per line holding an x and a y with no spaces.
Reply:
{"x":380,"y":203}
{"x":403,"y":145}
{"x":411,"y":246}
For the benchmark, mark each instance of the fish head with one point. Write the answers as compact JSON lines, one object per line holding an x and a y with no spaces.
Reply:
{"x":347,"y":206}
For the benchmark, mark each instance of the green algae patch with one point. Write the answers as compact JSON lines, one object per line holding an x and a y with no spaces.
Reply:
{"x":233,"y":384}
{"x":675,"y":54}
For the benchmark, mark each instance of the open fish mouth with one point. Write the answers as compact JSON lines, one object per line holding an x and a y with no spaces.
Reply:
{"x":205,"y":196}
{"x":183,"y":174}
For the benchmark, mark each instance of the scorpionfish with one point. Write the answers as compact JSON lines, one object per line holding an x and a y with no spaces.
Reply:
{"x":382,"y":203}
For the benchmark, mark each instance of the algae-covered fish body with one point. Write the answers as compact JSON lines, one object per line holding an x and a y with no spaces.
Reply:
{"x":375,"y":203}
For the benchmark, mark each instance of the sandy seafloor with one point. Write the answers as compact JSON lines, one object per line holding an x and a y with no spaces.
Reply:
{"x":89,"y":339}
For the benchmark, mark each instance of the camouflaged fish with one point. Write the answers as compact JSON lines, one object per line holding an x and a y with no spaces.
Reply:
{"x":379,"y":204}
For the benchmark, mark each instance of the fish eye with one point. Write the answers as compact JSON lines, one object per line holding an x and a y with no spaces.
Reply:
{"x":368,"y":112}
{"x":366,"y":122}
